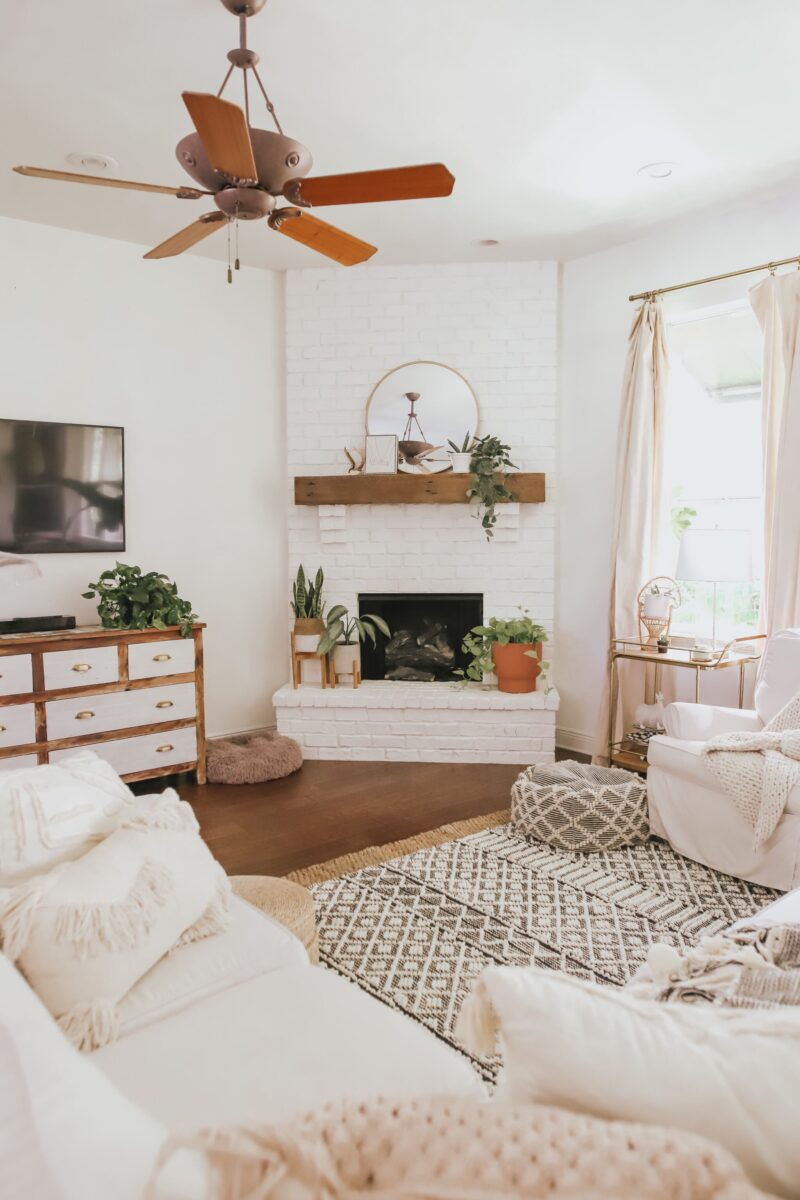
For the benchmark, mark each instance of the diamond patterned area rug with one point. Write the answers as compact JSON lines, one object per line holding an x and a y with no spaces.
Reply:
{"x":416,"y":931}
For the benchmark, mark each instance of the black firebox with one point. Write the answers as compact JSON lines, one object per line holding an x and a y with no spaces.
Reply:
{"x":428,"y":629}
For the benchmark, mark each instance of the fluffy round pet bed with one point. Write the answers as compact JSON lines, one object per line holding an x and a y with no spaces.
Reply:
{"x":249,"y":759}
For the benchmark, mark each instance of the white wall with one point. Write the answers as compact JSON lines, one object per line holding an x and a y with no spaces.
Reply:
{"x":193,"y":368}
{"x":595,"y":318}
{"x":496,"y":324}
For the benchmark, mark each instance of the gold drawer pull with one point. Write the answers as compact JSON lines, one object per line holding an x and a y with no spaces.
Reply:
{"x":164,"y":749}
{"x":164,"y":704}
{"x":84,"y":715}
{"x":161,"y":657}
{"x":82,"y":667}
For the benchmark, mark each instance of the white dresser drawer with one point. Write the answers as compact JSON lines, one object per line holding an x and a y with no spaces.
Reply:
{"x":82,"y":715}
{"x":16,"y":674}
{"x":17,"y":725}
{"x":130,"y":756}
{"x":79,"y":668}
{"x":17,"y":761}
{"x":149,"y":660}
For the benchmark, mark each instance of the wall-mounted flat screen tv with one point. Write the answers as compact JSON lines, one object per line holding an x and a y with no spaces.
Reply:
{"x":62,"y":488}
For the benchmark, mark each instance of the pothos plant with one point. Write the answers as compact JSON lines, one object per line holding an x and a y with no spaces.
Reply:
{"x":344,"y":630}
{"x":480,"y":639}
{"x":489,"y":464}
{"x":127,"y":599}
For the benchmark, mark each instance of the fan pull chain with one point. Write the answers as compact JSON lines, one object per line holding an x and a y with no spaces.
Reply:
{"x":230,"y":272}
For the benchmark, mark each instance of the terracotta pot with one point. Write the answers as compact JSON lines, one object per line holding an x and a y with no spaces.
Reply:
{"x":344,"y":659}
{"x":515,"y":671}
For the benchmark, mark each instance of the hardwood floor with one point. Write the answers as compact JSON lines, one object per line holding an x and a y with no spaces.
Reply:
{"x":332,"y":808}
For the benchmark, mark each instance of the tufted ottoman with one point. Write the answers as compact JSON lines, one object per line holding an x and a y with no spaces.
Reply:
{"x":286,"y":902}
{"x":578,"y":806}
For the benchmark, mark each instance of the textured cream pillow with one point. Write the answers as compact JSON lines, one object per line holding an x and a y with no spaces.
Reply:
{"x":55,"y":813}
{"x":88,"y":930}
{"x":732,"y":1076}
{"x":459,"y":1148}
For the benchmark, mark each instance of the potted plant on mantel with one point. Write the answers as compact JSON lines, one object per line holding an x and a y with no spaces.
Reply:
{"x":512,"y":649}
{"x":307,"y":607}
{"x":489,"y":466}
{"x":343,"y":636}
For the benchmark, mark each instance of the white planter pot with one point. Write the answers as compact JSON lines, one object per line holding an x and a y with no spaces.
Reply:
{"x":656,"y":606}
{"x":306,"y":641}
{"x":344,"y":659}
{"x":460,"y":462}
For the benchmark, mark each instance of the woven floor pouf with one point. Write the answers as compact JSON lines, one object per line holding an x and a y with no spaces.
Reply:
{"x":577,"y":806}
{"x":286,"y":902}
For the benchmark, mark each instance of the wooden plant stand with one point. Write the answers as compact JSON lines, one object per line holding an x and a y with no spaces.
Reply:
{"x":325,"y":665}
{"x":355,"y":673}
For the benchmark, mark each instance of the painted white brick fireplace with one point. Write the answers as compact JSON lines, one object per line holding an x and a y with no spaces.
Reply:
{"x":496,"y":324}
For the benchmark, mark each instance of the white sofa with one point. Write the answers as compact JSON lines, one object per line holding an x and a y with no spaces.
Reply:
{"x":232,"y":1027}
{"x":687,"y":804}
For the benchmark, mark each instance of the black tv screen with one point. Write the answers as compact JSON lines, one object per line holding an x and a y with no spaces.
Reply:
{"x":62,"y":487}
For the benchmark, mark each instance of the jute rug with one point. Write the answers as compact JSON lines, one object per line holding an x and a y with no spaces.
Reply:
{"x":416,"y":930}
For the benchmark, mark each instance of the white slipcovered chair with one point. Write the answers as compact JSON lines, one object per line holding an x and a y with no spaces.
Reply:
{"x":687,"y":804}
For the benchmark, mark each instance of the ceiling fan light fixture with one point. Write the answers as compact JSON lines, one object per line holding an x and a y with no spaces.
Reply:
{"x":657,"y":170}
{"x":90,"y":161}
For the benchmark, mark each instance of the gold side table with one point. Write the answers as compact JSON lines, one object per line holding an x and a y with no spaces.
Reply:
{"x":737,"y":653}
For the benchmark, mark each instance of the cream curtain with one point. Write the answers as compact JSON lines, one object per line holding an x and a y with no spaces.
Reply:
{"x":638,"y":502}
{"x":776,"y":303}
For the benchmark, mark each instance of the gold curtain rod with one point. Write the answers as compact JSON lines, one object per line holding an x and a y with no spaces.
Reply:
{"x":678,"y":287}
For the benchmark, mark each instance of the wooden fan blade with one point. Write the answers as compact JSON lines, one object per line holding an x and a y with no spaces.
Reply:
{"x":185,"y":193}
{"x":325,"y":239}
{"x":188,"y":237}
{"x":366,"y":187}
{"x":225,"y":136}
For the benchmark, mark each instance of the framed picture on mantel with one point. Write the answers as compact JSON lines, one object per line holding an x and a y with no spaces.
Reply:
{"x":381,"y":454}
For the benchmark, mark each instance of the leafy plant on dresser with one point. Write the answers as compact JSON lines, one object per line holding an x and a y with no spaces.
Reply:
{"x":489,"y":464}
{"x":127,"y":599}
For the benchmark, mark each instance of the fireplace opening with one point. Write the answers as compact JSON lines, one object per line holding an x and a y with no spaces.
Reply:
{"x":427,"y":631}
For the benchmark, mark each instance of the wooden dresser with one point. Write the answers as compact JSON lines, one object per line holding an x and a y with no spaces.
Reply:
{"x":134,"y":697}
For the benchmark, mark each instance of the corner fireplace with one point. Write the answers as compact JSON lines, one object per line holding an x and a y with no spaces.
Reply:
{"x":428,"y":629}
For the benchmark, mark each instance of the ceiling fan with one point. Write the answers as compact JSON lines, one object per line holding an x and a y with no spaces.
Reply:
{"x":249,"y":170}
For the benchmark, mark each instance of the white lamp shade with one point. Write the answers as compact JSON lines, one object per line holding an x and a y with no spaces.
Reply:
{"x":715,"y":556}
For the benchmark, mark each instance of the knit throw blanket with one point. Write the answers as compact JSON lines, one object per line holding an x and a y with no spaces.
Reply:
{"x":744,"y":967}
{"x":758,"y":770}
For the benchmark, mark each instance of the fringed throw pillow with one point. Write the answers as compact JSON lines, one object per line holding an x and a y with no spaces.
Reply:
{"x":88,"y":930}
{"x":596,"y":1049}
{"x":57,"y":812}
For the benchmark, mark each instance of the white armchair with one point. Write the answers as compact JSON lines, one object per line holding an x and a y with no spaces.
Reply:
{"x":687,"y":804}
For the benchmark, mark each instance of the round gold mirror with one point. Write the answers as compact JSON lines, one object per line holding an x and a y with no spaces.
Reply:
{"x":425,"y":404}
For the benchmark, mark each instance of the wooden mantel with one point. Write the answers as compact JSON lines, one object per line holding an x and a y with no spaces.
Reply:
{"x":447,"y":488}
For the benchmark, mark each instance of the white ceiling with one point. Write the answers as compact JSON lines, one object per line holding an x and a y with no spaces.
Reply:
{"x":543,"y":110}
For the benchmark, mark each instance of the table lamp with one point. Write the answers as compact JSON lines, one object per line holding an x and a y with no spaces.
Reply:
{"x":715,"y":556}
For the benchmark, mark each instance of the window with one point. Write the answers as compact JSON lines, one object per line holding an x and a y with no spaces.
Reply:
{"x":712,"y":455}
